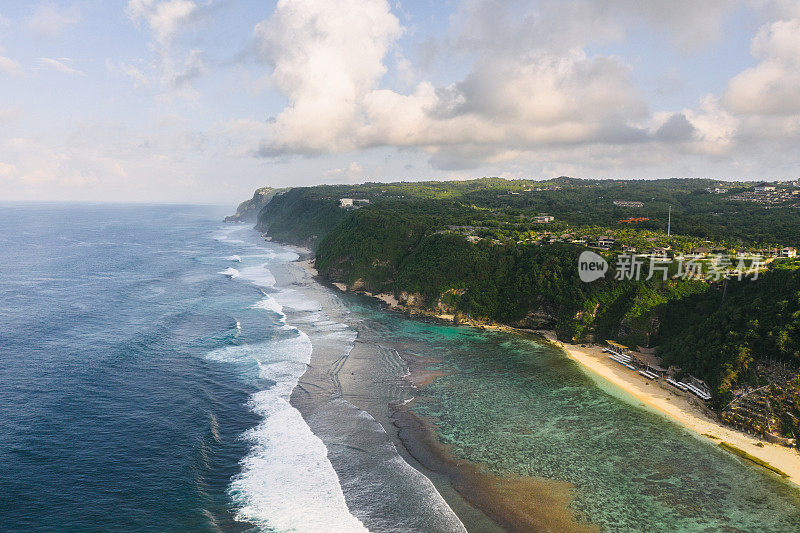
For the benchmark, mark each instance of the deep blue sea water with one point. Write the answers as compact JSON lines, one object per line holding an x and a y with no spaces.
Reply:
{"x":112,"y":418}
{"x":115,"y":411}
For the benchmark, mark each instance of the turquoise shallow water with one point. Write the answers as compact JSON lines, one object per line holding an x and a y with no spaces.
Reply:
{"x":522,"y":407}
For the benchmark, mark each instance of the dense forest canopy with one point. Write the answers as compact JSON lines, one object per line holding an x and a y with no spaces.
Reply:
{"x":487,"y":249}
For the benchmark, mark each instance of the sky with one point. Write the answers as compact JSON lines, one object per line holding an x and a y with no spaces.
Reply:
{"x":202,"y":101}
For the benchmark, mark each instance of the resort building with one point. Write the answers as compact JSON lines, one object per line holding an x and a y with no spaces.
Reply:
{"x":764,"y":187}
{"x":543,"y":219}
{"x":787,"y":252}
{"x":626,"y":203}
{"x":352,"y":203}
{"x":606,"y":241}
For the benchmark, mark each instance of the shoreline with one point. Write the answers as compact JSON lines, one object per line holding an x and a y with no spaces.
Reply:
{"x":679,"y":408}
{"x":684,"y":410}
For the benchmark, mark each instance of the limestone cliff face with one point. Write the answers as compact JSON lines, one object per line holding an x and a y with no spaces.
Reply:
{"x":249,"y":209}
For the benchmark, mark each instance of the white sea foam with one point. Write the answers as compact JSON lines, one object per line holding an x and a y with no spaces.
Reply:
{"x":412,"y":504}
{"x":269,"y":303}
{"x":227,"y":233}
{"x":258,"y":275}
{"x":234,"y":258}
{"x":287,"y":482}
{"x":230,"y":272}
{"x":273,"y":256}
{"x":297,"y":301}
{"x":282,"y":256}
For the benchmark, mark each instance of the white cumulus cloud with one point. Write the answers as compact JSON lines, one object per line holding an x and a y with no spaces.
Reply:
{"x":326,"y":57}
{"x":61,"y":64}
{"x":772,"y":87}
{"x":328,"y":61}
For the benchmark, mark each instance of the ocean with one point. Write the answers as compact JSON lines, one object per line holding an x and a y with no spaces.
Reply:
{"x":147,"y":365}
{"x":162,"y":371}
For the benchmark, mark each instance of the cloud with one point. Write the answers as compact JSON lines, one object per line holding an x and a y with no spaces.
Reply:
{"x":7,"y":171}
{"x":530,"y":92}
{"x":326,"y":58}
{"x":8,"y":65}
{"x":137,"y":76}
{"x":677,"y":128}
{"x":715,"y":127}
{"x":34,"y":164}
{"x":772,"y":87}
{"x":60,"y":65}
{"x":192,"y":69}
{"x":50,"y":21}
{"x":353,"y":173}
{"x":329,"y":63}
{"x":165,"y":18}
{"x":503,"y":26}
{"x":688,"y":24}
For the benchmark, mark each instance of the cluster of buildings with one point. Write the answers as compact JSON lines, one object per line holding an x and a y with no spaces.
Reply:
{"x":787,"y":251}
{"x":627,"y":203}
{"x":768,"y":194}
{"x":648,"y":365}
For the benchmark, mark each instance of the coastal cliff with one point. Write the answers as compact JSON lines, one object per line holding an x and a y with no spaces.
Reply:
{"x":408,"y":242}
{"x":249,"y":209}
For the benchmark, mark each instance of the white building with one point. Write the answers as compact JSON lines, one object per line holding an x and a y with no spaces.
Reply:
{"x":764,"y":187}
{"x":543,"y":219}
{"x":787,"y":252}
{"x":346,"y":202}
{"x":626,"y":203}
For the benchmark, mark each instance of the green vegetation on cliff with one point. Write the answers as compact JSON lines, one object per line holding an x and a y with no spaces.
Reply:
{"x":726,"y":331}
{"x":297,"y":217}
{"x":249,"y":209}
{"x":477,"y":249}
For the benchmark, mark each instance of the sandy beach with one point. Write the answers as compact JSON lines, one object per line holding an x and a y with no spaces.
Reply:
{"x":684,"y":409}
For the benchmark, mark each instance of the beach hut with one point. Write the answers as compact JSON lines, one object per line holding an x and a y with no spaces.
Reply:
{"x":618,"y":348}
